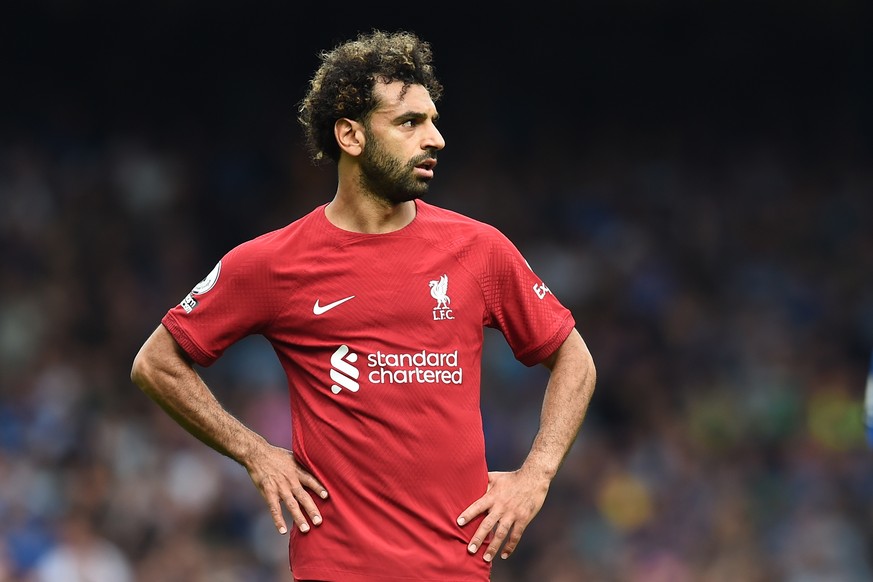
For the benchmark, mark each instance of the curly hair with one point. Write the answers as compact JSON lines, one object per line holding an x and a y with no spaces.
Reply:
{"x":343,"y":86}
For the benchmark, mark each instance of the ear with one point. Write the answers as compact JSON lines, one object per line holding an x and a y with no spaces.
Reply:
{"x":349,"y":135}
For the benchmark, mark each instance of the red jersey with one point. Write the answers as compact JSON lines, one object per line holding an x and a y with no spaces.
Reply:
{"x":381,"y":340}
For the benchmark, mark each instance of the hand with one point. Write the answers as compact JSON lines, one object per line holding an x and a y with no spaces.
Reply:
{"x":510,"y":502}
{"x":281,"y":480}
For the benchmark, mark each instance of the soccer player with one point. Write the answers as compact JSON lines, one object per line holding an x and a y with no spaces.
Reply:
{"x":375,"y":304}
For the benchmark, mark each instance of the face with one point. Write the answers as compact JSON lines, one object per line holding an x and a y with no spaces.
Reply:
{"x":401,"y":143}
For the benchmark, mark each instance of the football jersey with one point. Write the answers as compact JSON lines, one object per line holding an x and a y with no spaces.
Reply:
{"x":380,"y":336}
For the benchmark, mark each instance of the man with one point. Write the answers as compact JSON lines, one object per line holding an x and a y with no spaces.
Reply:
{"x":375,"y":305}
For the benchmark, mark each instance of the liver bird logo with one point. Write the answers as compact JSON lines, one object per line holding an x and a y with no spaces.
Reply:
{"x":438,"y":291}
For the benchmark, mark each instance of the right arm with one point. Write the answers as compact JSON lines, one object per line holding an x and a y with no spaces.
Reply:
{"x":164,"y":372}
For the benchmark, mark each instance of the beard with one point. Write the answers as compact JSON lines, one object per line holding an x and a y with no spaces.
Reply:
{"x":389,"y":178}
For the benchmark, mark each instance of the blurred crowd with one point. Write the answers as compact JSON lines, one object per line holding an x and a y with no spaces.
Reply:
{"x":723,"y":282}
{"x":727,"y":301}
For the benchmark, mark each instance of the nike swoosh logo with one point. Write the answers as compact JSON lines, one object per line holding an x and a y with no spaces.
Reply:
{"x":319,"y":309}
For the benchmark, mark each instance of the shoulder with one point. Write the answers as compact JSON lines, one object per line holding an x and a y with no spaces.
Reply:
{"x":450,"y":225}
{"x":272,"y":254}
{"x":480,"y":247}
{"x":271,"y":242}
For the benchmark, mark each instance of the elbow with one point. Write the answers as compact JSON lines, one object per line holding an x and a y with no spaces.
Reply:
{"x":139,"y":370}
{"x":149,"y":373}
{"x":156,"y":359}
{"x":590,"y":367}
{"x":159,"y":364}
{"x":591,"y":378}
{"x":148,"y":364}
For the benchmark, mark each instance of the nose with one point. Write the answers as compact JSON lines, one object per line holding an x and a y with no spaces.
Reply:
{"x":434,"y":139}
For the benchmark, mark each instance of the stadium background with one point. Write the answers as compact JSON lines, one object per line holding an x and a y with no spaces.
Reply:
{"x":693,"y":179}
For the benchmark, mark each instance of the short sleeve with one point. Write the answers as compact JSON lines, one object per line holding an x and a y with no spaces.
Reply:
{"x":521,"y":306}
{"x":236,"y":299}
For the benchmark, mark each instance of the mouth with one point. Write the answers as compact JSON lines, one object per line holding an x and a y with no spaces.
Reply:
{"x":425,"y":167}
{"x":427,"y":164}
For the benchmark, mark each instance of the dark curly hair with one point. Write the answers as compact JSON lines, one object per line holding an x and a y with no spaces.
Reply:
{"x":343,"y":84}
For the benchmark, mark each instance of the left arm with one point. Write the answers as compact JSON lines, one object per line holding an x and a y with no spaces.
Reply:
{"x":513,"y":499}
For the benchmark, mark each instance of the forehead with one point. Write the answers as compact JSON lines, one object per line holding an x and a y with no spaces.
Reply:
{"x":393,"y":100}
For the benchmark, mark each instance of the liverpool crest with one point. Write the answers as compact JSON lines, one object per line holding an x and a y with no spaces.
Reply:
{"x":439,"y":290}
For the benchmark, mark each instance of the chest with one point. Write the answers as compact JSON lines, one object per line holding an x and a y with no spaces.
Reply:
{"x":388,"y":291}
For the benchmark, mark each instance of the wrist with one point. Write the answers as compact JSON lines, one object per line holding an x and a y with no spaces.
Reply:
{"x":248,"y":449}
{"x":539,"y":469}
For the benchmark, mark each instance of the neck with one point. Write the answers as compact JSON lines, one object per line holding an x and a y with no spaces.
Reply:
{"x":364,"y":213}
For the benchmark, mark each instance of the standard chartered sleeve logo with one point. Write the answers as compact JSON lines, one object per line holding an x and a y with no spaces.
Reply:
{"x":422,"y":367}
{"x":342,"y":372}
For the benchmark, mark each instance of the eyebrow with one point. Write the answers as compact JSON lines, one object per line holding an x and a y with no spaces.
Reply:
{"x":418,"y":116}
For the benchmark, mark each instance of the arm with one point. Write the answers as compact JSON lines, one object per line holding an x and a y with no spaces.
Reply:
{"x":513,"y":499}
{"x":165,"y":373}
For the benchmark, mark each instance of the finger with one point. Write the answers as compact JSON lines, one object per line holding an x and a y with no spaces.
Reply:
{"x":501,"y":530}
{"x":482,"y":533}
{"x":297,"y":515}
{"x":310,"y":482}
{"x":275,"y":507}
{"x":475,"y":508}
{"x":512,"y":541}
{"x":303,"y":502}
